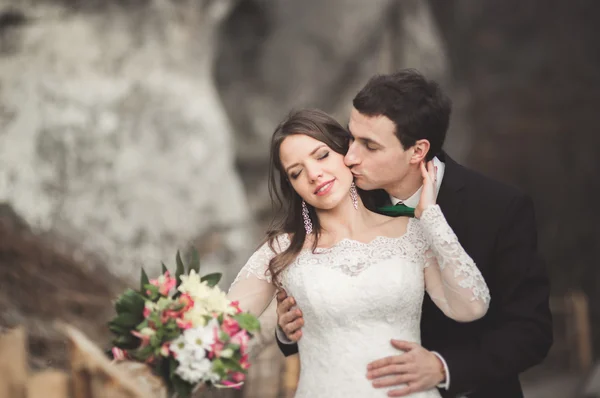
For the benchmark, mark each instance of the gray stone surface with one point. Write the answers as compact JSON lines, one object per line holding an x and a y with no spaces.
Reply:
{"x":113,"y":134}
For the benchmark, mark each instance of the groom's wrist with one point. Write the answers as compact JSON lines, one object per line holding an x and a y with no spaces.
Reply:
{"x":441,"y":371}
{"x":444,"y":373}
{"x":280,"y":335}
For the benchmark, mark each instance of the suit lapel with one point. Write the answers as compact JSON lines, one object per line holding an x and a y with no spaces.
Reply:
{"x":450,"y":198}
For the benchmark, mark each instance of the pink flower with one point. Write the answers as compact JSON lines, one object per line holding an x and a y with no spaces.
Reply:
{"x":244,"y":361}
{"x":217,"y":346}
{"x":147,"y":312}
{"x":181,"y":324}
{"x":187,"y":302}
{"x":230,"y":326}
{"x":164,"y":350}
{"x":238,"y":377}
{"x":118,"y":354}
{"x":241,"y":338}
{"x":215,"y":349}
{"x":231,"y":384}
{"x":164,"y":283}
{"x":236,"y":305}
{"x":144,"y":337}
{"x":166,"y":315}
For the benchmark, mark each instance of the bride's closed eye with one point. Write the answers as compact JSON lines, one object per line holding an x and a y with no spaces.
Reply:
{"x":323,"y":155}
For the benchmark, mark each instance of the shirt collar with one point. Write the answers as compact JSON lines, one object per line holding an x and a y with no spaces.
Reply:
{"x":413,"y":200}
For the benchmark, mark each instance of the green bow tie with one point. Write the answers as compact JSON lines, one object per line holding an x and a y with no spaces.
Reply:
{"x":399,"y":210}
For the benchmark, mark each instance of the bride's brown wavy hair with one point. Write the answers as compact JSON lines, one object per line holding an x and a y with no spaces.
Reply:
{"x":286,"y":202}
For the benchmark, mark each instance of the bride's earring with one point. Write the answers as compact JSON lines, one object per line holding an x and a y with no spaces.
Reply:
{"x":306,"y":216}
{"x":354,"y":195}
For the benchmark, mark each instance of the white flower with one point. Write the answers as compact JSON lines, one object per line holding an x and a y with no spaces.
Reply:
{"x":195,"y":371}
{"x":227,"y":353}
{"x":190,"y":350}
{"x":212,"y":377}
{"x":207,"y":300}
{"x":199,"y":337}
{"x":177,"y":347}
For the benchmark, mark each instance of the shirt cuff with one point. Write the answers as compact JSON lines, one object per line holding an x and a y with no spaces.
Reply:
{"x":283,"y":338}
{"x":446,"y":383}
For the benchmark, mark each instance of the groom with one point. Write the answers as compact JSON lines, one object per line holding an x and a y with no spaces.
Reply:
{"x":391,"y":117}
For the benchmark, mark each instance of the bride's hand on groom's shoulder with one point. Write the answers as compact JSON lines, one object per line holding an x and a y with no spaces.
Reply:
{"x":429,"y":191}
{"x":289,"y":318}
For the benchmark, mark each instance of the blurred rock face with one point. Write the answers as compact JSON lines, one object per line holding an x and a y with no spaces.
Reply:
{"x":279,"y":55}
{"x":112,"y":133}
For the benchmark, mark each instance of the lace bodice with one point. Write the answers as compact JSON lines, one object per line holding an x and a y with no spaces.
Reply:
{"x":356,"y":296}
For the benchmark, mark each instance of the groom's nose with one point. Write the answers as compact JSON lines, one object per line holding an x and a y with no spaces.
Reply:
{"x":351,"y":158}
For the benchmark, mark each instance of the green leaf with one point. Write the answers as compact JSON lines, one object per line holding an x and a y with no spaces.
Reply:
{"x":155,"y":341}
{"x":195,"y":260}
{"x":232,"y":364}
{"x":127,"y":320}
{"x":144,"y":281}
{"x":171,"y":326}
{"x":159,"y":333}
{"x":172,"y":368}
{"x":130,"y":301}
{"x":180,"y":270}
{"x":152,"y":292}
{"x":154,"y":318}
{"x":118,"y":329}
{"x":143,"y":353}
{"x":219,"y":367}
{"x":126,"y":342}
{"x":172,"y":335}
{"x":164,"y":268}
{"x":142,"y":325}
{"x":211,"y":279}
{"x":182,"y":388}
{"x":248,"y":322}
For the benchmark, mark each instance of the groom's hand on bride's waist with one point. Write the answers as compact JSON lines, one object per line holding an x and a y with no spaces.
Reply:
{"x":417,"y":369}
{"x":289,"y":318}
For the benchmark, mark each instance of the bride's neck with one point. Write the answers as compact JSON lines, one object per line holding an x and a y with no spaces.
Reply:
{"x":344,"y":220}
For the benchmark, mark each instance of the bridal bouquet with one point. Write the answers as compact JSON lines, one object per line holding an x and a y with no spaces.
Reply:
{"x":185,"y":328}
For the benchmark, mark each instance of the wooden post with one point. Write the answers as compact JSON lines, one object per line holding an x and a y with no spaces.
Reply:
{"x":13,"y":364}
{"x":48,"y":384}
{"x":578,"y":306}
{"x":94,"y":376}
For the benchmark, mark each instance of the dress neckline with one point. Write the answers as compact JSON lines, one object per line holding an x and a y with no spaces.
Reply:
{"x":355,"y":242}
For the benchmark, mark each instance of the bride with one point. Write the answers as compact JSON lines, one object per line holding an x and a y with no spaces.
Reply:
{"x":358,"y":276}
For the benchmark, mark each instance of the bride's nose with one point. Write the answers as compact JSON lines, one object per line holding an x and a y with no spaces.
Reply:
{"x":314,"y":173}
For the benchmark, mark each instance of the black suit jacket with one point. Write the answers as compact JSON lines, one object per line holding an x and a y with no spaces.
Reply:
{"x":496,"y":225}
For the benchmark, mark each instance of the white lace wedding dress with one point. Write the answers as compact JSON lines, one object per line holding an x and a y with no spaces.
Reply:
{"x":356,"y":297}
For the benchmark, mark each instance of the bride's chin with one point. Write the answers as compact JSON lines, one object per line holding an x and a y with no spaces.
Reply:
{"x":333,"y":204}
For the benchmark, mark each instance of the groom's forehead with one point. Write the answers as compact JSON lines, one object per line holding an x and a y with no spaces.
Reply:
{"x":376,"y":127}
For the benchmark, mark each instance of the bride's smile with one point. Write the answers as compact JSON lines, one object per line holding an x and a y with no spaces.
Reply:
{"x":316,"y":172}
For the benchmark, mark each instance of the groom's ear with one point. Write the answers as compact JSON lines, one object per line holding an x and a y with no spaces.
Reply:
{"x":420,"y":151}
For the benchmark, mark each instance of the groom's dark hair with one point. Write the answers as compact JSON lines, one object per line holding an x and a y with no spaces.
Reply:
{"x":417,"y":106}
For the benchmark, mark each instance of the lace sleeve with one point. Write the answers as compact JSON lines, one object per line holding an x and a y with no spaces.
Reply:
{"x":255,"y":292}
{"x":452,"y":279}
